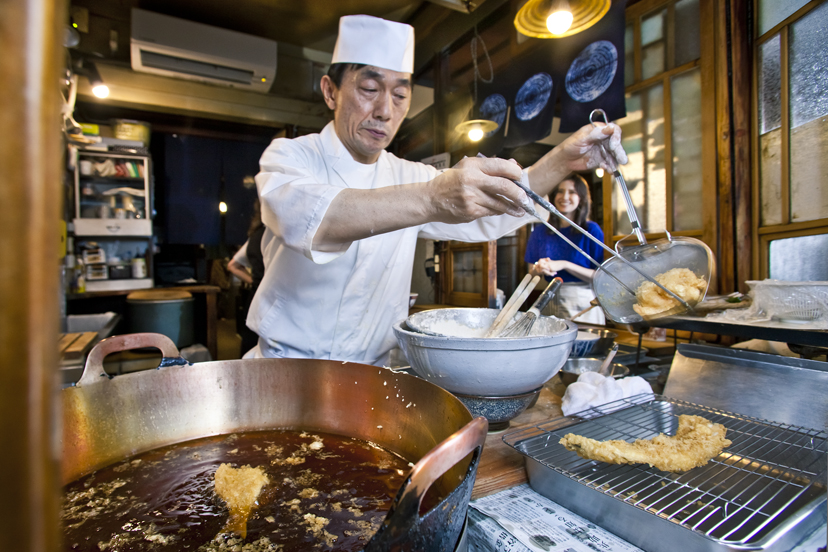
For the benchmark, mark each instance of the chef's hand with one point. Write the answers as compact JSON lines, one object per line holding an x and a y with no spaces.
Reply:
{"x":582,"y":150}
{"x":474,"y":188}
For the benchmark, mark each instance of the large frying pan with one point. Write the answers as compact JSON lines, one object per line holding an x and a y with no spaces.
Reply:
{"x":106,"y":420}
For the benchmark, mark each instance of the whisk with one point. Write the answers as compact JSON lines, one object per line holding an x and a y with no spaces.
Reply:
{"x":523,"y":326}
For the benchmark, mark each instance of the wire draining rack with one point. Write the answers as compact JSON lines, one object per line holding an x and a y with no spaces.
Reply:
{"x":766,"y":491}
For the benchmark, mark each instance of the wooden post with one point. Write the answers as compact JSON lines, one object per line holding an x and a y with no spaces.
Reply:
{"x":733,"y":93}
{"x":742,"y":52}
{"x":31,"y":32}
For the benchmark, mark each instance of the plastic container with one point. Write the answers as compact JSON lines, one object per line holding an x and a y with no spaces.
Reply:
{"x":127,"y":129}
{"x":164,"y":311}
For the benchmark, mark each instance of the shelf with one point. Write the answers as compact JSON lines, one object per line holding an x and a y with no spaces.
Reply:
{"x":126,"y":284}
{"x":771,"y":331}
{"x":96,"y":179}
{"x":87,"y":227}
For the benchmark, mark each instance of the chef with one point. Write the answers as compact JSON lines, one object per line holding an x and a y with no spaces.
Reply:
{"x":343,"y":215}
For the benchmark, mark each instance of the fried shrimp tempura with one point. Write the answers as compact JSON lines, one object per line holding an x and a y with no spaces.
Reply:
{"x":694,"y":444}
{"x":653,"y":300}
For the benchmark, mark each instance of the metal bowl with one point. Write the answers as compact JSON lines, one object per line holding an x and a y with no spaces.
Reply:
{"x":499,"y":410}
{"x":487,"y":367}
{"x":574,"y":367}
{"x":473,"y":323}
{"x":593,"y":347}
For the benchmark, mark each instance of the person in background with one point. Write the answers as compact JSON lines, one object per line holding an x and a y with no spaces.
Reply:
{"x":343,"y":214}
{"x":248,"y":265}
{"x":548,"y":255}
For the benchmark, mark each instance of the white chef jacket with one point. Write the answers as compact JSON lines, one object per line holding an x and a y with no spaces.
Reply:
{"x":337,"y":305}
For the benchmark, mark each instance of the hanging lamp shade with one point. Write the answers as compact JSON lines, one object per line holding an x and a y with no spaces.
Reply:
{"x":531,"y":19}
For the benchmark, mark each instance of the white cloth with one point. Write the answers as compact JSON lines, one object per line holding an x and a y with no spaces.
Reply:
{"x":337,"y":305}
{"x":593,"y":390}
{"x":241,"y":256}
{"x":374,"y":41}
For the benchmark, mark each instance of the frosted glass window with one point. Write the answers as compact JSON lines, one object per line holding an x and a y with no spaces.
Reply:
{"x":770,"y":86}
{"x":802,"y":259}
{"x":687,"y":40}
{"x":770,"y":133}
{"x":774,"y":12}
{"x":643,"y":139}
{"x":629,"y":56}
{"x":687,"y":156}
{"x":652,"y":45}
{"x":809,"y":67}
{"x":653,"y":211}
{"x":631,"y":138}
{"x":467,"y":271}
{"x":809,"y":111}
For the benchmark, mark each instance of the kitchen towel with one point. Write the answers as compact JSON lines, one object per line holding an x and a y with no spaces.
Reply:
{"x":593,"y":389}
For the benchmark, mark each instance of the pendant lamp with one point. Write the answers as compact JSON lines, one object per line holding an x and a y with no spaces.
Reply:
{"x":476,"y":129}
{"x":559,"y":18}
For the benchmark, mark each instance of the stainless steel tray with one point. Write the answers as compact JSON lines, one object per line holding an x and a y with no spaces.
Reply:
{"x":766,"y":491}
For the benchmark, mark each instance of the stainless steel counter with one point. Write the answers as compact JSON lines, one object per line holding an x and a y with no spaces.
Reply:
{"x":772,"y":387}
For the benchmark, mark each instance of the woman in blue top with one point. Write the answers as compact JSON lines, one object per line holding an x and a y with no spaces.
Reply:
{"x":548,"y":255}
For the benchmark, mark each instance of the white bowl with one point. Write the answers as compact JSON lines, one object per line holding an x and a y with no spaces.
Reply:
{"x":486,"y":367}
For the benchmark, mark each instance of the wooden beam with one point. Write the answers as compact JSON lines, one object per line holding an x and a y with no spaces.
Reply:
{"x":708,"y":118}
{"x":128,"y":88}
{"x":725,"y":230}
{"x":741,"y":32}
{"x":30,"y":190}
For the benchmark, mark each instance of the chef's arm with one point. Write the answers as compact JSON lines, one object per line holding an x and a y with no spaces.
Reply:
{"x":581,"y":151}
{"x":474,"y":188}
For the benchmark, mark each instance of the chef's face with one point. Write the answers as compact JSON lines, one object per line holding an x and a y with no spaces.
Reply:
{"x":567,"y":198}
{"x":369,"y":107}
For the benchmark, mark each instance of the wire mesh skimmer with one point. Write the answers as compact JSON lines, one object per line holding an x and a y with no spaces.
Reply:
{"x":765,"y":492}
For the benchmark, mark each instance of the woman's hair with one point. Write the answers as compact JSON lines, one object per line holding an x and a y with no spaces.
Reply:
{"x":581,"y":215}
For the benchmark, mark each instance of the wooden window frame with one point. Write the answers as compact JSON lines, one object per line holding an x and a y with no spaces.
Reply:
{"x":763,"y":235}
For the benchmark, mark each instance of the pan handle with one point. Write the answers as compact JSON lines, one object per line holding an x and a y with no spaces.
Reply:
{"x":93,"y":370}
{"x":442,"y":458}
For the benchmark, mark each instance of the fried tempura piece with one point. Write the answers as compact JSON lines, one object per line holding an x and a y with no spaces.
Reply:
{"x":653,"y":300}
{"x":694,"y":444}
{"x":239,"y":489}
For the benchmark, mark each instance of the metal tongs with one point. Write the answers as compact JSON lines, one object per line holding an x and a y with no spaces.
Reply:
{"x":612,"y":163}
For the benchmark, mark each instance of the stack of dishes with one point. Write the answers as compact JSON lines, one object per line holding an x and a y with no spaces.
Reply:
{"x":494,"y":377}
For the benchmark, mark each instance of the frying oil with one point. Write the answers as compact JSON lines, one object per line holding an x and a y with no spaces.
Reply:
{"x":326,"y":492}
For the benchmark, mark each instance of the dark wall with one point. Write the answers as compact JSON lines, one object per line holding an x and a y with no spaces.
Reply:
{"x":193,"y":174}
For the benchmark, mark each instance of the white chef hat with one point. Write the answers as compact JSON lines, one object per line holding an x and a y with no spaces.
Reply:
{"x":373,"y":41}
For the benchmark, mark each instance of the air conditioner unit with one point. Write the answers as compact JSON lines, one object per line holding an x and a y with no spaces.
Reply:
{"x":178,"y":48}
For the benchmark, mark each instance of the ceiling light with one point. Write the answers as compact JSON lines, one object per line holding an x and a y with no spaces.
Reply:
{"x":536,"y":17}
{"x":560,"y":18}
{"x":599,"y":172}
{"x":100,"y":90}
{"x":476,"y":128}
